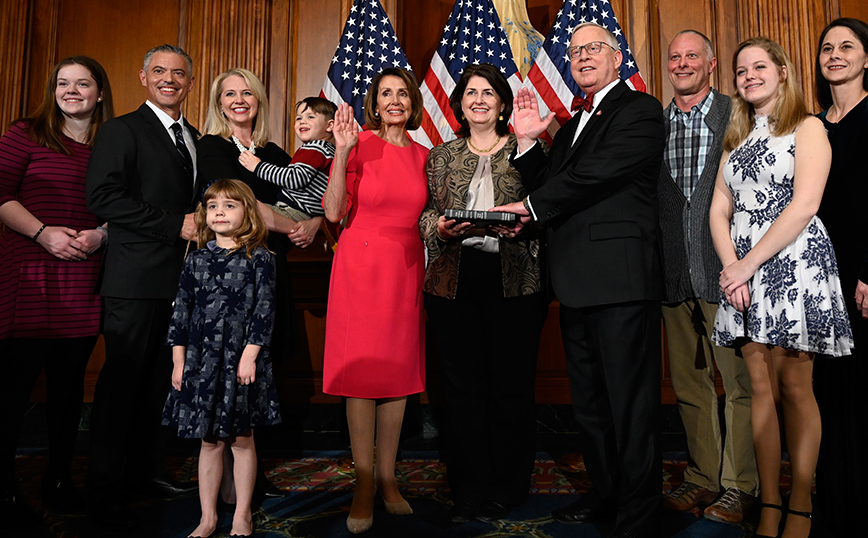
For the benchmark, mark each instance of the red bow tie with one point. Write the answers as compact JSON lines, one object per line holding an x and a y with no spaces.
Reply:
{"x":587,"y":103}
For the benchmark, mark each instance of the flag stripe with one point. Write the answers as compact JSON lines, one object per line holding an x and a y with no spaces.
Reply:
{"x":368,"y":45}
{"x":472,"y":35}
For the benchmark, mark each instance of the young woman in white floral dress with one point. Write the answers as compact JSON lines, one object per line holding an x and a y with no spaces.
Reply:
{"x":781,"y":300}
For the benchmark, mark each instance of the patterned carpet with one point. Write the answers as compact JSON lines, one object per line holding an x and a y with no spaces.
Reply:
{"x":318,"y":491}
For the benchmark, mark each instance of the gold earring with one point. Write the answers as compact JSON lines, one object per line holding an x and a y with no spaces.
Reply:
{"x":500,"y":117}
{"x":462,"y":116}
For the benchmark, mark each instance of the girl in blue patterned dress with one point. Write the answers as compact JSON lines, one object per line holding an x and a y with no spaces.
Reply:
{"x":781,"y":300}
{"x":220,"y":331}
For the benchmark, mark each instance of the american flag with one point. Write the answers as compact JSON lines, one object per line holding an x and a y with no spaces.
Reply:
{"x":472,"y":35}
{"x":368,"y":45}
{"x":550,"y":75}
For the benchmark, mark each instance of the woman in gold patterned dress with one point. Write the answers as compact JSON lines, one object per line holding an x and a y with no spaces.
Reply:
{"x":482,"y":294}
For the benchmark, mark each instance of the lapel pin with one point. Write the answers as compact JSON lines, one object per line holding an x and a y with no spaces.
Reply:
{"x":599,"y":113}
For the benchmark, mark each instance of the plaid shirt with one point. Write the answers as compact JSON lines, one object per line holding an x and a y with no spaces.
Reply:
{"x":688,"y":144}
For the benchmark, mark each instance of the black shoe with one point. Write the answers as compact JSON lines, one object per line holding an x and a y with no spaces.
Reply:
{"x":575,"y":513}
{"x":773,"y":507}
{"x":491,"y":511}
{"x":164,"y":487}
{"x":622,"y":534}
{"x":61,"y":495}
{"x":15,"y":513}
{"x":461,"y":512}
{"x":114,"y":517}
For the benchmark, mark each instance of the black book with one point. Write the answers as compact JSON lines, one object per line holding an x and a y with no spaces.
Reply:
{"x":482,"y":218}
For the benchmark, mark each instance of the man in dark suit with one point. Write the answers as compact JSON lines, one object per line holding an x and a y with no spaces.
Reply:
{"x":724,"y":473}
{"x":141,"y":181}
{"x":596,"y":197}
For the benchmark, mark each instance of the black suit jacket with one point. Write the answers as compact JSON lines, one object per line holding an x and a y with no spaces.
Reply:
{"x":598,"y":200}
{"x":136,"y":181}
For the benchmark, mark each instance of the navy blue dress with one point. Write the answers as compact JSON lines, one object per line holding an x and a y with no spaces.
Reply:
{"x":225,"y":302}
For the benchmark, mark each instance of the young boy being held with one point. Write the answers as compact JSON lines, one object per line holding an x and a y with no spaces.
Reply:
{"x":304,"y":180}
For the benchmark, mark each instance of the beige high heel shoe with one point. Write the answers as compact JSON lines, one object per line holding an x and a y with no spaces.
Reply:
{"x":358,"y":526}
{"x":398,"y":509}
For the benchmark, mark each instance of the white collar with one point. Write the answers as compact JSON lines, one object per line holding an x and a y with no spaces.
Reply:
{"x":164,"y":118}
{"x":600,"y":95}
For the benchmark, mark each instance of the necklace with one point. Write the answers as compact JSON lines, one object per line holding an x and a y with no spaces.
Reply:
{"x":486,"y":150}
{"x":77,"y":136}
{"x":241,"y":148}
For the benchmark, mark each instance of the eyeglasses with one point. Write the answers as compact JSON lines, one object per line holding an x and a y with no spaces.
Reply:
{"x":592,"y":48}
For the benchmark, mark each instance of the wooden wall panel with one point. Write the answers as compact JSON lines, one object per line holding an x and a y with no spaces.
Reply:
{"x":117,"y":35}
{"x":420,"y":30}
{"x":794,"y":24}
{"x":40,"y":51}
{"x":857,"y":9}
{"x":13,"y":36}
{"x":315,"y":39}
{"x":280,"y":71}
{"x":692,"y":17}
{"x":220,"y":35}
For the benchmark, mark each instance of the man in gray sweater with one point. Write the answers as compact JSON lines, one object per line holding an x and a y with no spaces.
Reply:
{"x":722,"y":472}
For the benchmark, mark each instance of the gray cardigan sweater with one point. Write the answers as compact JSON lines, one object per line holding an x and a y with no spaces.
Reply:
{"x":691,"y":267}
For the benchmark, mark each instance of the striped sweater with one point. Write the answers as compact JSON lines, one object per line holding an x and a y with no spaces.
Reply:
{"x":42,"y":296}
{"x":304,"y":180}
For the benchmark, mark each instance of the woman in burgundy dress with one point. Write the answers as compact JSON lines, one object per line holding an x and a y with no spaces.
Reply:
{"x":375,"y":343}
{"x":51,"y":256}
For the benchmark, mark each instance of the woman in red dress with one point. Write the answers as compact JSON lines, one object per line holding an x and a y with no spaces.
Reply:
{"x":375,"y":342}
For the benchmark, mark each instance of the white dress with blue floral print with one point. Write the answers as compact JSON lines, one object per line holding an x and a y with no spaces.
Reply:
{"x":795,"y":296}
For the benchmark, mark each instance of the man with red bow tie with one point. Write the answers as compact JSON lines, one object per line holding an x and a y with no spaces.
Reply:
{"x":596,"y":196}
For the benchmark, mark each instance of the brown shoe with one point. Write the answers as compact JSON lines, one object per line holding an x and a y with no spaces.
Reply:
{"x":687,"y":496}
{"x":731,"y":507}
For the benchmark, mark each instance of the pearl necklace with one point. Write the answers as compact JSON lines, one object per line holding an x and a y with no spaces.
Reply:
{"x":241,"y":148}
{"x":489,"y":148}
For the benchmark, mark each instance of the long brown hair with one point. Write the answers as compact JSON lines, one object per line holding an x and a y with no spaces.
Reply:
{"x":45,"y":125}
{"x":789,"y":109}
{"x":860,"y":30}
{"x":252,"y":233}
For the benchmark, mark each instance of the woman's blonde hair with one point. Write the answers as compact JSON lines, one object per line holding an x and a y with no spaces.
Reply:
{"x":789,"y":109}
{"x":216,"y":122}
{"x":252,"y":233}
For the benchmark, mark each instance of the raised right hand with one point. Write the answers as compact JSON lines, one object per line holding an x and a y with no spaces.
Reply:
{"x":346,"y":128}
{"x":529,"y":125}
